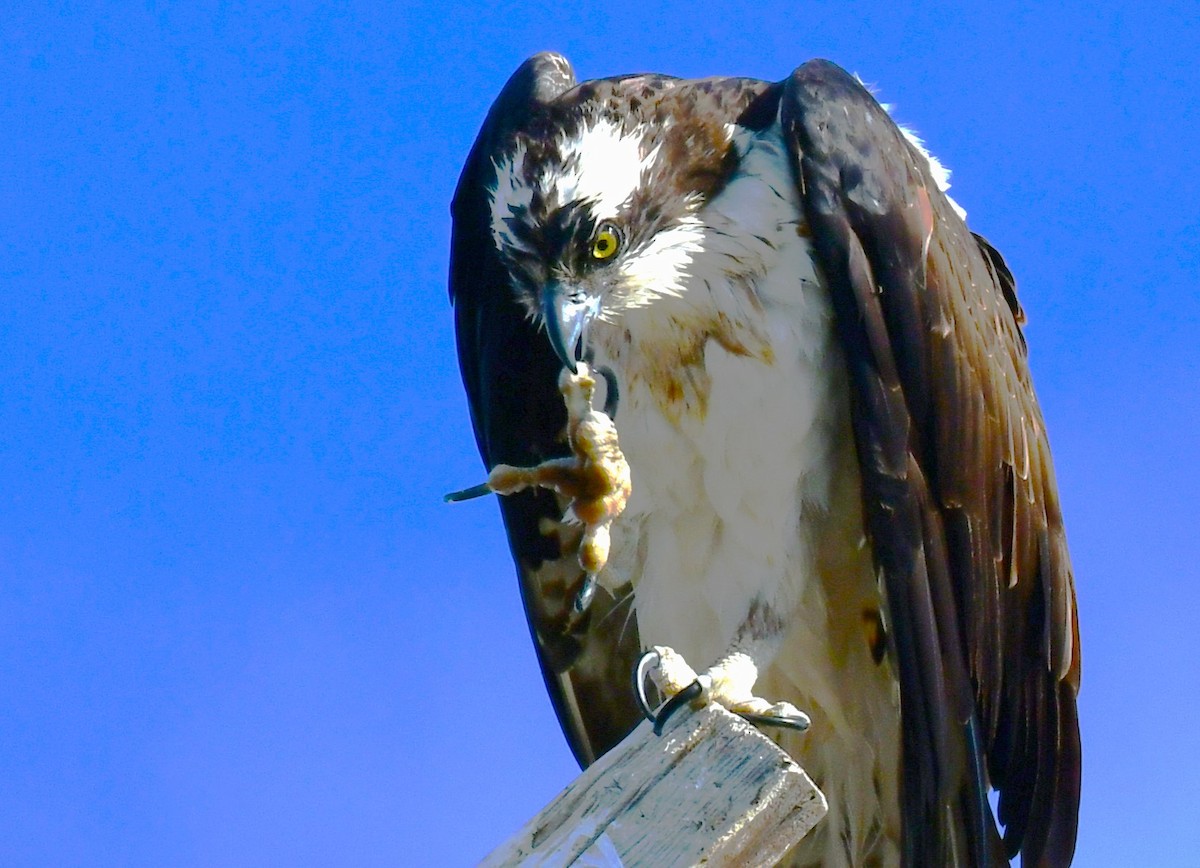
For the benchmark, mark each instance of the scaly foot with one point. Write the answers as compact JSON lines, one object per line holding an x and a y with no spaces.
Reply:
{"x":595,"y":478}
{"x":729,"y":683}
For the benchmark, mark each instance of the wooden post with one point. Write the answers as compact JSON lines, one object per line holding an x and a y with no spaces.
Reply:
{"x":711,"y":789}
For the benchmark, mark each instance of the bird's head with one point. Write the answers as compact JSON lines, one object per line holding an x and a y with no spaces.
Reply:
{"x":595,"y":214}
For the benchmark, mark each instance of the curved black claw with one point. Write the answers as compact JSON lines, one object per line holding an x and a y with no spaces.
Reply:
{"x":467,"y":493}
{"x":613,"y":395}
{"x":584,"y":598}
{"x":639,"y":683}
{"x":798,"y":722}
{"x":672,"y":705}
{"x":693,"y":691}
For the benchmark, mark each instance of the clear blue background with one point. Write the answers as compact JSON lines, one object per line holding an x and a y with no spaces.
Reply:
{"x":237,"y":624}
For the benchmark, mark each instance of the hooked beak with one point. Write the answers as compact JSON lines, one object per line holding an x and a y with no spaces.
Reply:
{"x":566,"y":316}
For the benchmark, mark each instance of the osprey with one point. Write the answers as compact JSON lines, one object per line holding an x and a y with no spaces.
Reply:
{"x":842,"y":494}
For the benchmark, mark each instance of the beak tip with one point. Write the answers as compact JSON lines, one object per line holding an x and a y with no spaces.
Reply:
{"x":565,"y":323}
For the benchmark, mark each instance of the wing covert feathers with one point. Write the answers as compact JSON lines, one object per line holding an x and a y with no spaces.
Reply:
{"x":959,"y":495}
{"x":510,"y":374}
{"x":958,"y":485}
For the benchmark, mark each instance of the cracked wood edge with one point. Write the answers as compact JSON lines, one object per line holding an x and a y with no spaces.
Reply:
{"x":713,"y":790}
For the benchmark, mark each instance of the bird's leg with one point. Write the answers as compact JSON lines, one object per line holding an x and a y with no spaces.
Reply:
{"x":595,"y":477}
{"x":729,"y":682}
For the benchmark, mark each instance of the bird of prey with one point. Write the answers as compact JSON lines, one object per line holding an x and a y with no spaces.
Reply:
{"x":842,"y":491}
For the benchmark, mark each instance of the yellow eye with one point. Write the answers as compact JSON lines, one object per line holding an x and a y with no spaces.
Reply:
{"x":606,"y":243}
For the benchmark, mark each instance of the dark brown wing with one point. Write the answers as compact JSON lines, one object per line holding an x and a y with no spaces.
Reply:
{"x":958,"y":488}
{"x":510,"y":374}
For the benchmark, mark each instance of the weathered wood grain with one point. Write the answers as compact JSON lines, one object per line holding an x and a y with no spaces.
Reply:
{"x":712,"y":790}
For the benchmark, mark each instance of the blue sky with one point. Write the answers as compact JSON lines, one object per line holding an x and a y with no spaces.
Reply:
{"x":237,"y":624}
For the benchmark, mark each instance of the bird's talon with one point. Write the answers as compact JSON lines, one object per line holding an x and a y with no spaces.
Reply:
{"x":612,"y":393}
{"x":699,"y":689}
{"x":467,"y":493}
{"x":797,"y":720}
{"x":692,"y":692}
{"x":650,"y":658}
{"x":584,"y":598}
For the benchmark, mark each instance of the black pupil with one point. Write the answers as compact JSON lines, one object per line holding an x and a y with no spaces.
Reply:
{"x":602,"y":244}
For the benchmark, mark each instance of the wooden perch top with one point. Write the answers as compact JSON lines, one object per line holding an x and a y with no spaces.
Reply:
{"x":711,"y":790}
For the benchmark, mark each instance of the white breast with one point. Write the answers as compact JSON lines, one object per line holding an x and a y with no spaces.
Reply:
{"x":752,"y":493}
{"x":721,"y":495}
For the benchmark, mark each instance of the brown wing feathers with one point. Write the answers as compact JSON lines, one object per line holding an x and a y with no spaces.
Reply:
{"x":510,"y":374}
{"x":952,"y":444}
{"x":958,"y":487}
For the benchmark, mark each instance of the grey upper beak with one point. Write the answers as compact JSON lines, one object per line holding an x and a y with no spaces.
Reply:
{"x":566,"y":316}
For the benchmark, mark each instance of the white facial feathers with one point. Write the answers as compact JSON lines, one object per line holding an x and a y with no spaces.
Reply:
{"x":511,"y":196}
{"x":661,"y":267}
{"x":601,"y":165}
